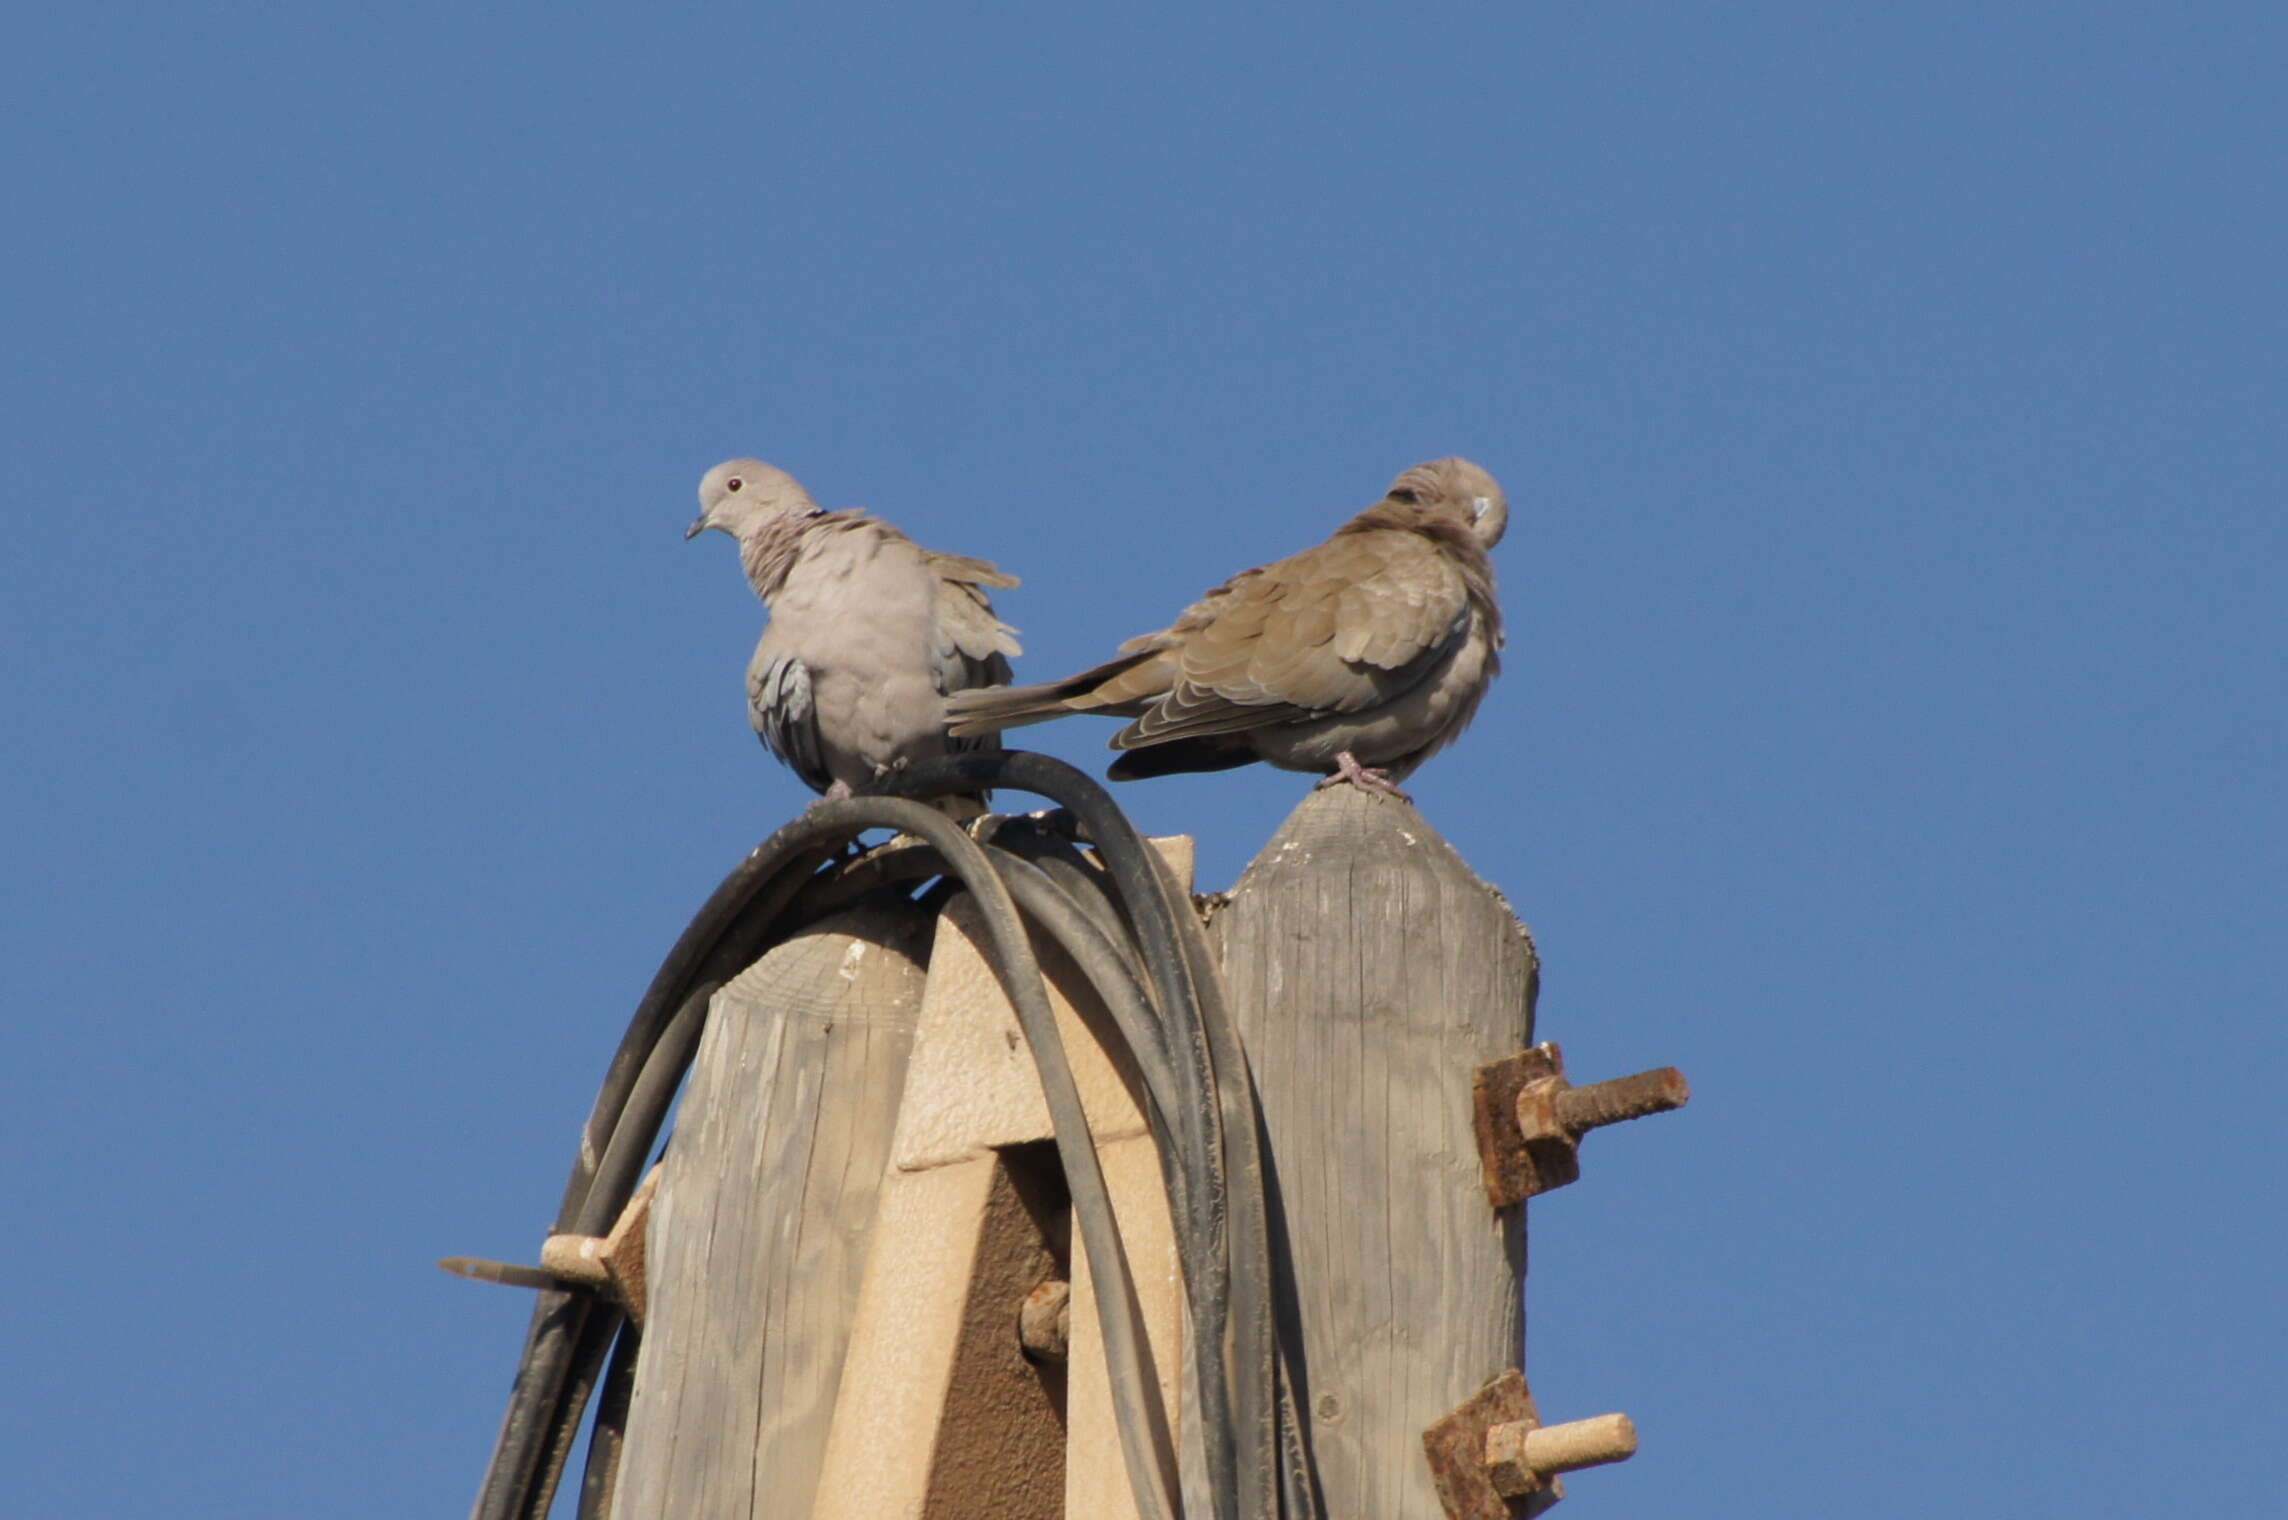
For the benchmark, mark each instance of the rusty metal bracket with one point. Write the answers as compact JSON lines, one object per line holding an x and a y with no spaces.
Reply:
{"x":1530,"y":1119}
{"x":612,"y":1265}
{"x":1493,"y":1459}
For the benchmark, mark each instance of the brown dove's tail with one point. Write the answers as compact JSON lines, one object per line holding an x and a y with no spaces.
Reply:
{"x":989,"y":709}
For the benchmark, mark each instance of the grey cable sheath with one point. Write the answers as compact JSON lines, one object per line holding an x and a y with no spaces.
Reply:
{"x":1258,"y":1385}
{"x":1146,"y":898}
{"x":1050,"y":906}
{"x":1136,"y":1403}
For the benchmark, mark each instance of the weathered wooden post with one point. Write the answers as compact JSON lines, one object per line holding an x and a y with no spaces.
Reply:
{"x":764,"y":1217}
{"x":860,"y":1196}
{"x":864,"y":1295}
{"x":1371,"y":972}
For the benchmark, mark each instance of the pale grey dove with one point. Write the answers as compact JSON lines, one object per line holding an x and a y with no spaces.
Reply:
{"x":868,"y":631}
{"x":1361,"y":657}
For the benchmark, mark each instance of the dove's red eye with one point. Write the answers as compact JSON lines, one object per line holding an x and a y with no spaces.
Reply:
{"x":734,"y":483}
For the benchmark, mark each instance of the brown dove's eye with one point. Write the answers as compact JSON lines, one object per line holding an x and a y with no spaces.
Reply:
{"x":1406,"y":495}
{"x":733,"y":483}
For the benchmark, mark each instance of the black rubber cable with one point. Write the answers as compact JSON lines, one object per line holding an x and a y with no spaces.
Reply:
{"x":598,"y":1322}
{"x":901,"y":863}
{"x":607,"y":1434}
{"x":1255,"y":1350}
{"x":766,"y":865}
{"x":1146,"y":895}
{"x":1184,"y":1049}
{"x":1082,"y":933}
{"x":520,"y":1480}
{"x":570,"y":1337}
{"x":1115,"y":984}
{"x":621,"y":1167}
{"x":1275,"y":1453}
{"x":1151,"y":1461}
{"x":1146,"y":1443}
{"x":1051,"y":840}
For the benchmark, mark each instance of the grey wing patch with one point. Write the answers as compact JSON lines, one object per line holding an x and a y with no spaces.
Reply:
{"x":963,"y":618}
{"x":786,"y":719}
{"x":956,"y":670}
{"x":993,"y":671}
{"x":970,"y":647}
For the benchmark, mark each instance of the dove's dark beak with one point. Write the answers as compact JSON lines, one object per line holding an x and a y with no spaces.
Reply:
{"x":699,"y":525}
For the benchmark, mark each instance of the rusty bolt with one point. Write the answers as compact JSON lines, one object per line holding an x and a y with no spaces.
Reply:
{"x":1530,"y":1119}
{"x":1551,"y":1110}
{"x":1044,"y":1321}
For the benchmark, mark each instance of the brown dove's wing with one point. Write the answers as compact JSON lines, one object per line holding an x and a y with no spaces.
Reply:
{"x":1342,"y":627}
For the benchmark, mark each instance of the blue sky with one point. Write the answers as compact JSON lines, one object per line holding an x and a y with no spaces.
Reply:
{"x":1891,"y":735}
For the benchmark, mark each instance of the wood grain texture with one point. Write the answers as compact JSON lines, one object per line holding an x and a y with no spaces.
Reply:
{"x":764,"y":1217}
{"x":1371,"y":973}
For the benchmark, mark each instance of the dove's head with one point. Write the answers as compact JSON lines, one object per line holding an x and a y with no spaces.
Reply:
{"x":1459,"y":487}
{"x":740,"y":495}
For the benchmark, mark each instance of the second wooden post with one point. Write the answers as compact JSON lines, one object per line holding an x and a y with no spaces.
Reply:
{"x":1371,"y":972}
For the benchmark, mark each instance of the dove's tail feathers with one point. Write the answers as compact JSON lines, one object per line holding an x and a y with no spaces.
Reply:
{"x":989,"y":709}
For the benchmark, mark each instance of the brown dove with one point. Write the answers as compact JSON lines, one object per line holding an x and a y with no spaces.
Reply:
{"x":868,"y":631}
{"x":1359,"y":658}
